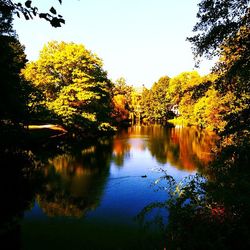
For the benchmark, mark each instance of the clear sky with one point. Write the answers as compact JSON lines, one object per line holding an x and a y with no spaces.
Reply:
{"x":140,"y":40}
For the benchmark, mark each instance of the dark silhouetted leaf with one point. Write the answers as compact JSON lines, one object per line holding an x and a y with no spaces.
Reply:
{"x":61,"y":20}
{"x":26,"y":16}
{"x":52,"y":10}
{"x":28,"y":4}
{"x":29,"y":12}
{"x":43,"y":15}
{"x":35,"y":11}
{"x":55,"y":22}
{"x":30,"y":15}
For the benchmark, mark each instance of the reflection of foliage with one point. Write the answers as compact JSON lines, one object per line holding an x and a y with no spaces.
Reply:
{"x":121,"y":148}
{"x":60,"y":204}
{"x":208,"y":213}
{"x":75,"y":180}
{"x":186,"y":148}
{"x":159,"y":144}
{"x":19,"y":181}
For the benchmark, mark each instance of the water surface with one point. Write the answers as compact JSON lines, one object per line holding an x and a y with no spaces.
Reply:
{"x":90,"y":195}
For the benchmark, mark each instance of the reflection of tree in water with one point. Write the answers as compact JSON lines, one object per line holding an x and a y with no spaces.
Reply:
{"x":159,"y":143}
{"x":127,"y":140}
{"x":121,"y":148}
{"x":211,"y":213}
{"x":19,"y":180}
{"x":184,"y":148}
{"x":75,"y":180}
{"x":195,"y":147}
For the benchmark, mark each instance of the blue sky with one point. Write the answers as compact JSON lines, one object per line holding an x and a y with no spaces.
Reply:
{"x":140,"y":40}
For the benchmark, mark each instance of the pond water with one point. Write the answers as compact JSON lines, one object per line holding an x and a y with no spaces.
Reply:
{"x":89,"y":195}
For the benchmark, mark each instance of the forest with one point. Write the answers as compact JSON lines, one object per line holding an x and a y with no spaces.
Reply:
{"x":68,"y":87}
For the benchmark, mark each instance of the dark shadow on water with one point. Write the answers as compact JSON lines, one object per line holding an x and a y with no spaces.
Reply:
{"x":20,"y":179}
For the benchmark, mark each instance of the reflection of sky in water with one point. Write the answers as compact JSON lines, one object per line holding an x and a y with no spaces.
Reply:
{"x":35,"y":212}
{"x":127,"y":192}
{"x":124,"y":192}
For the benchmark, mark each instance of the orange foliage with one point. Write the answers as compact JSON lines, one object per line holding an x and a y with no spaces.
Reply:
{"x":120,"y":113}
{"x":193,"y":144}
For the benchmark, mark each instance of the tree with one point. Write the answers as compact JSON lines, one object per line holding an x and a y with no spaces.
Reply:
{"x":218,"y":20}
{"x":154,"y":102}
{"x":146,"y":103}
{"x":160,"y":102}
{"x":12,"y":54}
{"x":136,"y":105}
{"x":14,"y":90}
{"x":74,"y":85}
{"x":233,"y":71}
{"x":223,"y":29}
{"x":180,"y":84}
{"x":120,"y":112}
{"x":6,"y":19}
{"x":122,"y":88}
{"x":121,"y":100}
{"x":199,"y":102}
{"x":210,"y":109}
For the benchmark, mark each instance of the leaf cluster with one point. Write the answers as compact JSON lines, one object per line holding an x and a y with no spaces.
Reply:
{"x":218,"y":20}
{"x":29,"y":12}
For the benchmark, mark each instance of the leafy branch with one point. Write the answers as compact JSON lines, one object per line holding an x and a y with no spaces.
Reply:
{"x":29,"y":12}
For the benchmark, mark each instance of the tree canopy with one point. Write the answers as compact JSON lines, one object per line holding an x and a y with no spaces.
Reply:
{"x":218,"y":20}
{"x":73,"y":84}
{"x":122,"y":98}
{"x":223,"y":29}
{"x":13,"y":96}
{"x":154,"y":101}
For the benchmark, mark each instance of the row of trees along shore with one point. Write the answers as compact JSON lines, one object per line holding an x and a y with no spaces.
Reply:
{"x":68,"y":86}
